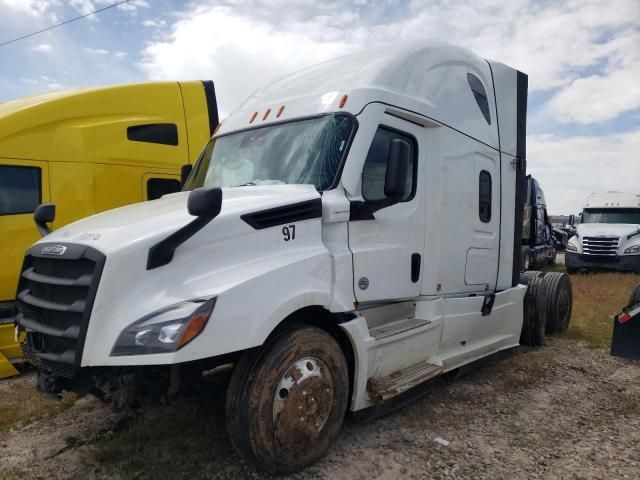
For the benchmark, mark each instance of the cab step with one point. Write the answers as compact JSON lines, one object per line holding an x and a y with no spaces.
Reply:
{"x":396,"y":327}
{"x":383,"y":388}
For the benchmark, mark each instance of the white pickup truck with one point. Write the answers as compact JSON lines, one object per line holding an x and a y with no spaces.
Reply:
{"x":608,"y":236}
{"x":351,"y":231}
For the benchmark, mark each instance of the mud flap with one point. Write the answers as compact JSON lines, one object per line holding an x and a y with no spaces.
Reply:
{"x":6,"y":368}
{"x":9,"y":349}
{"x":626,"y":333}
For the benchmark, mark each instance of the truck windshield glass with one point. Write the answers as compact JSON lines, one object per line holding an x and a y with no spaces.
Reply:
{"x":611,"y":215}
{"x":302,"y":152}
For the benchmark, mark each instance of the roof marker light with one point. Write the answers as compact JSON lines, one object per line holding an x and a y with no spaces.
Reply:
{"x":217,"y":128}
{"x":253,"y":117}
{"x":280,"y":110}
{"x":266,"y":114}
{"x":343,"y":100}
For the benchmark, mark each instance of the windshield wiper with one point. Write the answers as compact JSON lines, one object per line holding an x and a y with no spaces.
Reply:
{"x":248,"y":184}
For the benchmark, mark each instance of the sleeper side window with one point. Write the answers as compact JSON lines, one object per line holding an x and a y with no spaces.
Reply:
{"x":480,"y":95}
{"x":485,"y":197}
{"x":157,"y":187}
{"x":161,"y":133}
{"x":375,"y":166}
{"x":20,"y":189}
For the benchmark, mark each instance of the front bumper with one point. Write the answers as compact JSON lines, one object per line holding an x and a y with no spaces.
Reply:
{"x":620,"y":263}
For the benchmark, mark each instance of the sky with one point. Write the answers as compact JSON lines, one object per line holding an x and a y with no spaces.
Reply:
{"x":582,"y":58}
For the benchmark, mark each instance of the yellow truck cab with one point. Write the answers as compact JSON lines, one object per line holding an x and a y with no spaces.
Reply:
{"x":88,"y":151}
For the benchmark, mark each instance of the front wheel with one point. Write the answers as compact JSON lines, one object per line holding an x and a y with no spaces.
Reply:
{"x":286,"y":402}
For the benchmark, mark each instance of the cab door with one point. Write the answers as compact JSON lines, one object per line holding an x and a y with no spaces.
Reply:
{"x":387,"y":245}
{"x":23,"y":186}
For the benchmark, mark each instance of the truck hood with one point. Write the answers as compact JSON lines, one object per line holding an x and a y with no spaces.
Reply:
{"x":606,"y":229}
{"x":148,"y":222}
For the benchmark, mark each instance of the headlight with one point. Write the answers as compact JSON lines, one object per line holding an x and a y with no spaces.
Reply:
{"x":633,"y":250}
{"x":571,"y":247}
{"x":165,"y":330}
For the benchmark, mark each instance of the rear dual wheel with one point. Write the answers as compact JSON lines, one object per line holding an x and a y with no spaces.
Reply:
{"x":547,"y":305}
{"x":535,"y":313}
{"x":286,"y":401}
{"x":559,"y":294}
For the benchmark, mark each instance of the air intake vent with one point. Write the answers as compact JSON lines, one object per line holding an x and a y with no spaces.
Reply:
{"x":600,"y":246}
{"x":295,"y":212}
{"x":54,"y":302}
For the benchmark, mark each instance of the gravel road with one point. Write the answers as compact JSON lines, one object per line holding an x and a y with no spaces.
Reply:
{"x":564,"y":411}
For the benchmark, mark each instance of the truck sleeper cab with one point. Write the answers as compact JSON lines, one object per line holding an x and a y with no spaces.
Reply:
{"x":351,"y":231}
{"x":608,"y":236}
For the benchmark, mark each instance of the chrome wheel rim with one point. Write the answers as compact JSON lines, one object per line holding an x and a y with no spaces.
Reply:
{"x":303,"y":401}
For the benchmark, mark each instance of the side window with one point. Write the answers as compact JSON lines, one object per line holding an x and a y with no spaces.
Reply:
{"x":20,"y":190}
{"x":157,"y":187}
{"x":162,"y":133}
{"x":375,"y":166}
{"x":484,"y":197}
{"x":480,"y":95}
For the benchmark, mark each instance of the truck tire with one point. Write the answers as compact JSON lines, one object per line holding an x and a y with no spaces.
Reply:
{"x":535,"y":312}
{"x":286,"y":401}
{"x":559,"y":293}
{"x":635,"y":295}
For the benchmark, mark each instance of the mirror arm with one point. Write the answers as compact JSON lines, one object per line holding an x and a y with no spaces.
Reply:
{"x":359,"y":210}
{"x":43,"y":228}
{"x":162,"y":252}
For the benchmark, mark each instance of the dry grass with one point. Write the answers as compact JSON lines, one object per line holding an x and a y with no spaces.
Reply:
{"x":596,"y":299}
{"x":22,"y":403}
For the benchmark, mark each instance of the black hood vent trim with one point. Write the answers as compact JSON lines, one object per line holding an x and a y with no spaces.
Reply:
{"x":295,"y":212}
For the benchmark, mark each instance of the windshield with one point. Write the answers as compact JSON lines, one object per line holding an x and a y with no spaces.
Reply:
{"x":302,"y":152}
{"x":611,"y":215}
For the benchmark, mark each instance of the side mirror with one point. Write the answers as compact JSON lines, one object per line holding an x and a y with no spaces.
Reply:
{"x":572,"y":220}
{"x":44,"y":214}
{"x":205,"y":202}
{"x":185,"y":170}
{"x":397,"y":169}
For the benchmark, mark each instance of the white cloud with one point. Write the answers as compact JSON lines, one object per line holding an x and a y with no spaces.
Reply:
{"x":34,"y":8}
{"x":42,"y":47}
{"x":569,"y":169}
{"x":133,"y":5}
{"x":601,"y":97}
{"x":244,"y":44}
{"x":237,"y":52}
{"x":120,"y":54}
{"x":150,"y":23}
{"x":96,"y":51}
{"x":84,"y":7}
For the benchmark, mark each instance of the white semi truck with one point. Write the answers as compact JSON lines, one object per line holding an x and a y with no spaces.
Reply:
{"x":351,"y":231}
{"x":608,"y":236}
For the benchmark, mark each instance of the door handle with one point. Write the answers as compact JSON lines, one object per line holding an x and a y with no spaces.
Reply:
{"x":415,"y":267}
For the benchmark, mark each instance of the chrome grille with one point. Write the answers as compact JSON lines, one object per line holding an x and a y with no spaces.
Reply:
{"x":53,"y":304}
{"x":600,"y":246}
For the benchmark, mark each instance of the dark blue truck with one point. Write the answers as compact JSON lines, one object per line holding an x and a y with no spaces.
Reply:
{"x":538,"y":243}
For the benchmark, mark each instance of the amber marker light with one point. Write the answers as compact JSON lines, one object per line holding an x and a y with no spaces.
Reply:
{"x":196,"y":323}
{"x":266,"y":114}
{"x":253,"y":117}
{"x":343,"y":101}
{"x":280,"y":110}
{"x":217,"y":128}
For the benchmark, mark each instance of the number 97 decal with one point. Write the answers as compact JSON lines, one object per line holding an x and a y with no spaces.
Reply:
{"x":289,"y":232}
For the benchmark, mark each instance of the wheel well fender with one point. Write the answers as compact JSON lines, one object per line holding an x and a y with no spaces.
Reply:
{"x":319,"y":317}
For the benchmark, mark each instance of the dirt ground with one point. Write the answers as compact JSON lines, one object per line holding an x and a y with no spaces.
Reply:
{"x":564,"y":411}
